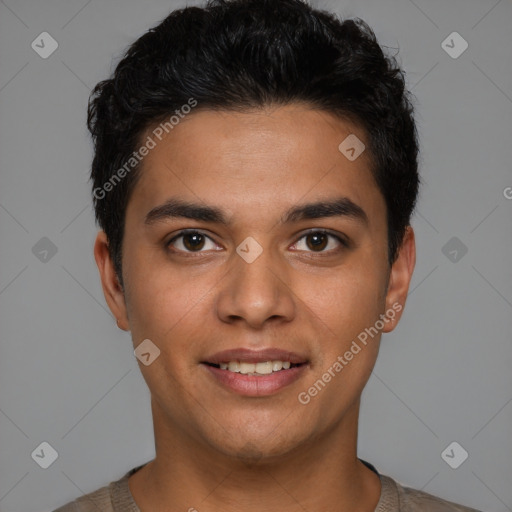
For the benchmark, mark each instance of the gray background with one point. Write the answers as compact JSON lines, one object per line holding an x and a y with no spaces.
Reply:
{"x":68,"y":375}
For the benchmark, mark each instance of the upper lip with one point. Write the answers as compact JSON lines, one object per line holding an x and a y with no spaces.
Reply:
{"x":255,"y":356}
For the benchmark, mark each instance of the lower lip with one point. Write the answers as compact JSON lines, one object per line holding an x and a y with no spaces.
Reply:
{"x":250,"y":385}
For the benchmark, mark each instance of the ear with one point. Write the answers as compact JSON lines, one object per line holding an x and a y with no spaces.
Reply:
{"x":400,"y":278}
{"x":114,"y":294}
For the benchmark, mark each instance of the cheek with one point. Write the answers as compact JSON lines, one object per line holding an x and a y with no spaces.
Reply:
{"x":345,"y":300}
{"x":157,"y":297}
{"x":158,"y":304}
{"x":343,"y":312}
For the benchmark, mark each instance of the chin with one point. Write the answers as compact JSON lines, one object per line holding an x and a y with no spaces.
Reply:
{"x":257,"y":449}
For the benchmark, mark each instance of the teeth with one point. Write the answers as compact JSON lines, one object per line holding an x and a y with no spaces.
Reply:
{"x":247,"y":368}
{"x":262,"y":368}
{"x":234,"y":366}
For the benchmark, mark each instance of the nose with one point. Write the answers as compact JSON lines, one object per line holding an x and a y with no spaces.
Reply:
{"x":256,"y":293}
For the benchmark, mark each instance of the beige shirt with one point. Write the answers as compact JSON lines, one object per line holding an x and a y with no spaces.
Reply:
{"x":116,"y":497}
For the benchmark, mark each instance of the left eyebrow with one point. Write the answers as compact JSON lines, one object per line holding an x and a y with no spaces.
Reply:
{"x":339,"y":207}
{"x":176,"y":208}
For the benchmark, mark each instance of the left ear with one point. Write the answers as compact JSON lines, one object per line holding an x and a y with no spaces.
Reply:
{"x":400,"y":279}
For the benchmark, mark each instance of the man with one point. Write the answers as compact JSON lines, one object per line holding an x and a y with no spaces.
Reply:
{"x":254,"y":176}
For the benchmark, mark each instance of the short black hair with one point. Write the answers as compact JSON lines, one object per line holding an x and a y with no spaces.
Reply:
{"x":240,"y":55}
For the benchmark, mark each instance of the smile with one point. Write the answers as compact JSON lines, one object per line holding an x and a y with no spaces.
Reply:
{"x":255,"y":369}
{"x":246,"y":378}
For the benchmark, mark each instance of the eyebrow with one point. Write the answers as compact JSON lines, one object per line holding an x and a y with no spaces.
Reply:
{"x":177,"y":208}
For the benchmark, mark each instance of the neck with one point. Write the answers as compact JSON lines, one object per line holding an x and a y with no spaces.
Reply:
{"x":323,"y":473}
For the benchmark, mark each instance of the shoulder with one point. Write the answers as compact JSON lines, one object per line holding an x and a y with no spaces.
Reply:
{"x":92,"y":502}
{"x":413,"y":500}
{"x":115,"y":497}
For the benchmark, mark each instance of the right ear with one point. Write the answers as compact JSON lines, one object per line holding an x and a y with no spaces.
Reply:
{"x":112,"y":289}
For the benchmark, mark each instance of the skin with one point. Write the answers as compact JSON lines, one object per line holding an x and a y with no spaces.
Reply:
{"x":216,"y":450}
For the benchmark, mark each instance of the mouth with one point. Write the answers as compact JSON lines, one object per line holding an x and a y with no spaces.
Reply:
{"x":255,"y":369}
{"x":255,"y":373}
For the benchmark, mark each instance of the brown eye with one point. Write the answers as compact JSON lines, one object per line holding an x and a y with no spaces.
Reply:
{"x":190,"y":241}
{"x":193,"y":241}
{"x":317,"y":241}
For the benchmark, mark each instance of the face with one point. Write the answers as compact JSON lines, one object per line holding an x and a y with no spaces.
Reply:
{"x":259,"y":272}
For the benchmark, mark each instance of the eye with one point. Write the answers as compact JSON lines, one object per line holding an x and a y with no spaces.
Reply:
{"x":191,"y":241}
{"x":317,"y":241}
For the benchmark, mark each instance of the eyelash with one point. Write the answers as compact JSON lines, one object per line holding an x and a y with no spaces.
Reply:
{"x":184,"y":232}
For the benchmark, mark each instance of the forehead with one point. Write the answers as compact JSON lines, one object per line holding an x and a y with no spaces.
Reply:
{"x":256,"y":162}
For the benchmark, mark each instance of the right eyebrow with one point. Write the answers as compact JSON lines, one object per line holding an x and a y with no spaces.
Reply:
{"x":173,"y":208}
